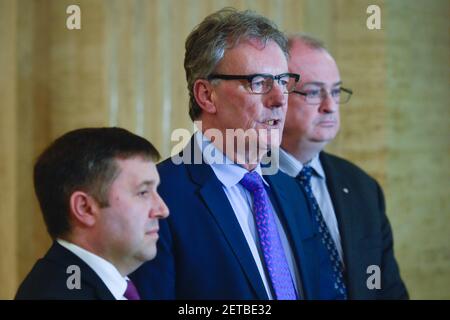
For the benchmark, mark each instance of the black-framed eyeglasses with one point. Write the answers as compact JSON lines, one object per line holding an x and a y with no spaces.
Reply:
{"x":261,"y":83}
{"x":316,"y":96}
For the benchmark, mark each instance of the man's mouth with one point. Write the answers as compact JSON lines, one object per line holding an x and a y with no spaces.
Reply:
{"x":153,"y":231}
{"x":327,"y":123}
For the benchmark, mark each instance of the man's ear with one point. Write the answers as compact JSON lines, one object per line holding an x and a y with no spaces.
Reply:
{"x":204,"y":95}
{"x":83,"y":208}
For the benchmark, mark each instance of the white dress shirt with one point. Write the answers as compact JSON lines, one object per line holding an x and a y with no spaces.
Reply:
{"x":103,"y":268}
{"x":292,"y":167}
{"x":229,"y":174}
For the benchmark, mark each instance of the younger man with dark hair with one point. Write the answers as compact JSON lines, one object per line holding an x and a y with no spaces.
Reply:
{"x":97,"y":192}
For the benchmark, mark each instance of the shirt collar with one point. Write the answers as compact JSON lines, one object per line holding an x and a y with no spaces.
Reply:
{"x":317,"y":166}
{"x":289,"y":165}
{"x":109,"y":274}
{"x":228,"y":172}
{"x":292,"y":167}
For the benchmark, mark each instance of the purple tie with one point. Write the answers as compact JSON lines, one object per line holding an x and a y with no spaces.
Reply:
{"x":131,"y":293}
{"x":269,"y":238}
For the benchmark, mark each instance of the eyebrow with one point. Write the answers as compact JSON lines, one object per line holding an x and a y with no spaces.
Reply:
{"x":147,"y":183}
{"x":318,"y":83}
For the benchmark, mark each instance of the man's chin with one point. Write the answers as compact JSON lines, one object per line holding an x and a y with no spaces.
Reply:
{"x":148,"y":252}
{"x":149,"y":255}
{"x":326,"y":137}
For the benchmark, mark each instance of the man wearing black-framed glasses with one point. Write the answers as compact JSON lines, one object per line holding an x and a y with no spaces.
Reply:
{"x":348,"y":205}
{"x":236,"y":231}
{"x":262,"y":83}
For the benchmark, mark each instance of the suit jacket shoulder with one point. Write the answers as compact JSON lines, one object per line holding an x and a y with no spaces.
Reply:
{"x":354,"y":172}
{"x":49,"y":277}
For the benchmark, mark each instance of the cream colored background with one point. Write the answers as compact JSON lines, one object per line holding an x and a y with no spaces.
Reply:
{"x":125,"y":68}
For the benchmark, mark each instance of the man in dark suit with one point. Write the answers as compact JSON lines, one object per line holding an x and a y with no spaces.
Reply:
{"x":234,"y":232}
{"x":97,"y":191}
{"x":349,"y":204}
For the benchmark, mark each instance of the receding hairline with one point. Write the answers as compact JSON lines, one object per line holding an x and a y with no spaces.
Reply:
{"x":307,"y":40}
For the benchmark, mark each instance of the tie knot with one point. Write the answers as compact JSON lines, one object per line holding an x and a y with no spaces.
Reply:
{"x":305,"y":174}
{"x":131,"y":293}
{"x":252,"y":181}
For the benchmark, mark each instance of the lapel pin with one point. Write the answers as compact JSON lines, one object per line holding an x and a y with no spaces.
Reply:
{"x":345,"y":190}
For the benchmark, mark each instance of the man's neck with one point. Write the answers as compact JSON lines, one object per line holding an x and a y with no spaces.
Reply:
{"x":103,"y":252}
{"x":248,"y":160}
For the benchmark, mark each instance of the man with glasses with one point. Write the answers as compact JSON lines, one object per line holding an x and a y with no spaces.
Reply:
{"x":233,"y":232}
{"x":348,"y":205}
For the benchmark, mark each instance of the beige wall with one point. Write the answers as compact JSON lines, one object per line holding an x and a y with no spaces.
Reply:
{"x":8,"y":150}
{"x":125,"y":68}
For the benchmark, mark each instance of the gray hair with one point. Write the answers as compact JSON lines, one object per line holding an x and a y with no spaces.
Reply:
{"x":222,"y":30}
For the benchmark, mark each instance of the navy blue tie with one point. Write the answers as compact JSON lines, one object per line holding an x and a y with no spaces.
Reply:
{"x":332,"y":280}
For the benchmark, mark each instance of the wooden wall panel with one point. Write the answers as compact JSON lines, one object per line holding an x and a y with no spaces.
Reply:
{"x":418,"y":142}
{"x":8,"y":147}
{"x":33,"y":125}
{"x":125,"y":68}
{"x":77,"y":67}
{"x":360,"y":54}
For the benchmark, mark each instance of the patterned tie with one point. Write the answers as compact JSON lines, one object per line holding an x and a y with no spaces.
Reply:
{"x":131,"y":293}
{"x":269,"y":238}
{"x":336,"y":265}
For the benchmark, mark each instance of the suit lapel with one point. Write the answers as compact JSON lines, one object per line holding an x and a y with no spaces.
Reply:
{"x":212,"y":194}
{"x":298,"y":228}
{"x":301,"y":225}
{"x":342,"y":204}
{"x":222,"y":211}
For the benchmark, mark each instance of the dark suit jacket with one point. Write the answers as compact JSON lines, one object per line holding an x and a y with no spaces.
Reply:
{"x":365,"y":231}
{"x":202,"y":252}
{"x":48,"y":279}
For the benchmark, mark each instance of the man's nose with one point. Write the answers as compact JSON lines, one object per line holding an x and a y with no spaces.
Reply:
{"x":160,"y":210}
{"x":328,"y":104}
{"x":276,"y":96}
